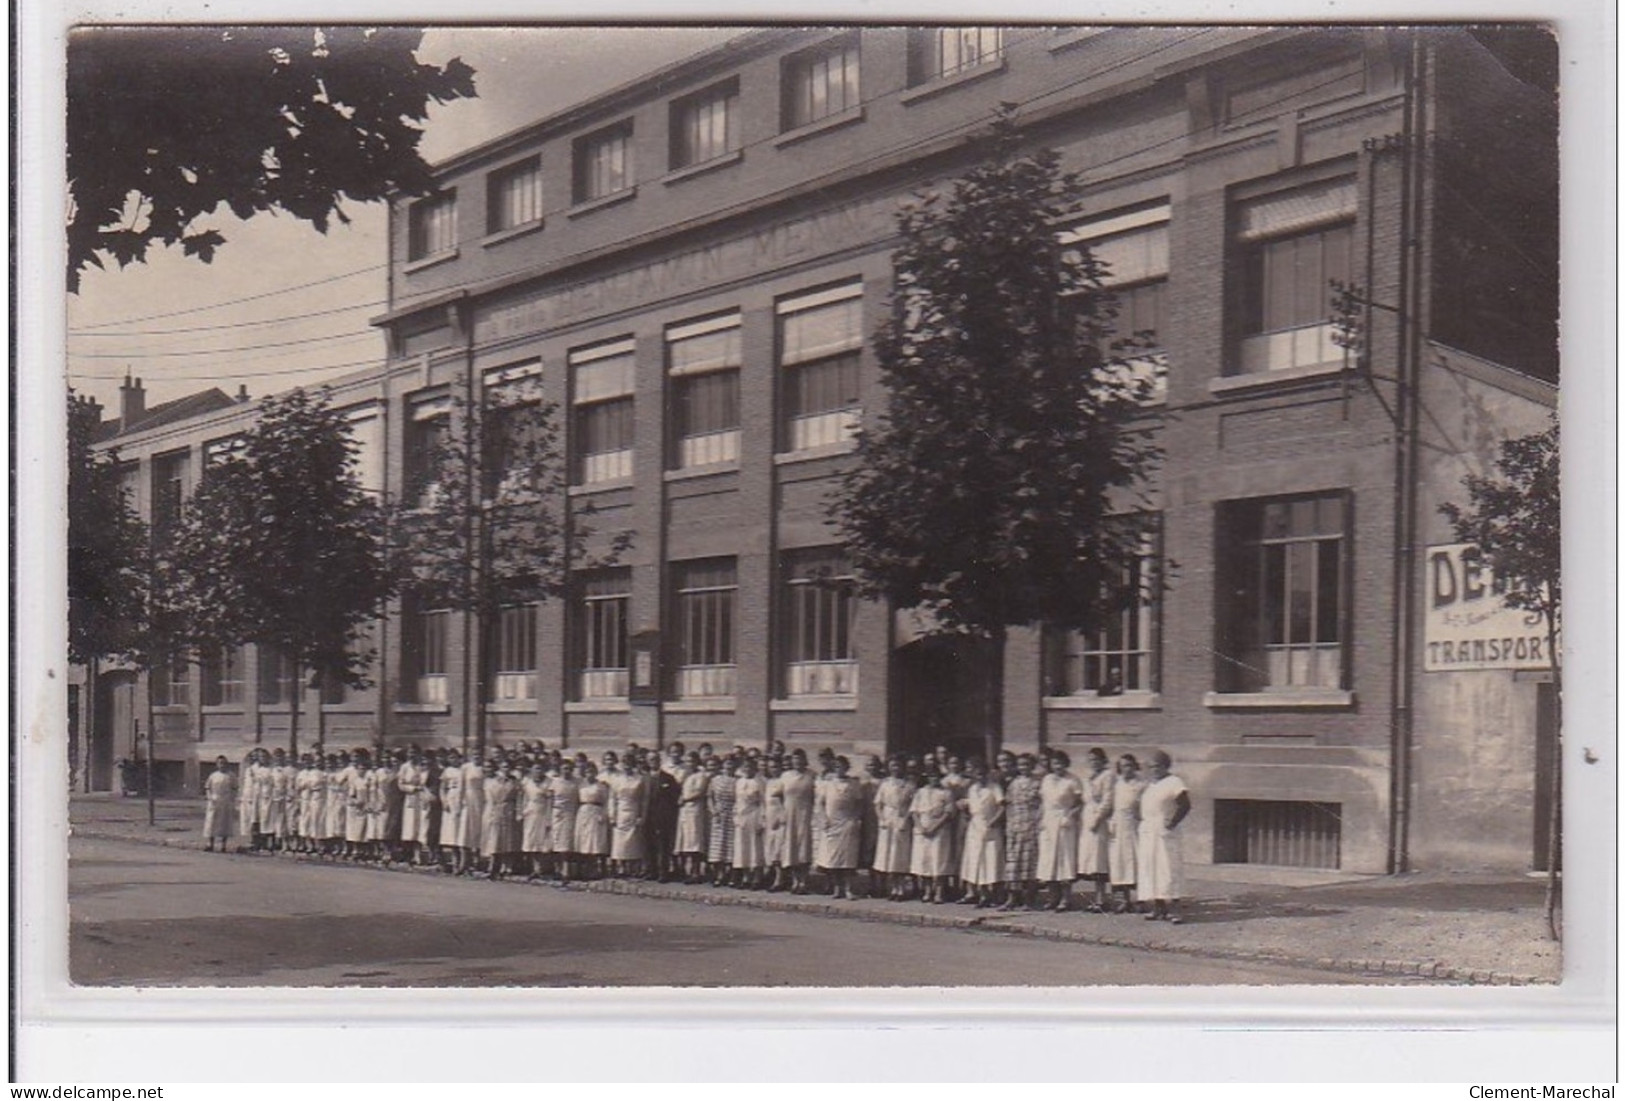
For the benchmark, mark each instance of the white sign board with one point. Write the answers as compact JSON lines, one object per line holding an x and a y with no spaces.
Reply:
{"x":1467,"y":623}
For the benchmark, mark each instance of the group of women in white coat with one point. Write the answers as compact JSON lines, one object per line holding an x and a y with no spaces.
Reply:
{"x":934,"y":826}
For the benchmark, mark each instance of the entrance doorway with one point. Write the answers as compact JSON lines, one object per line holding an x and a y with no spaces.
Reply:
{"x":942,"y":691}
{"x":1546,"y":766}
{"x":114,"y":725}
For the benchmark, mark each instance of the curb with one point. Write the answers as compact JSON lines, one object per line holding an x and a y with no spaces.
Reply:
{"x":1430,"y":970}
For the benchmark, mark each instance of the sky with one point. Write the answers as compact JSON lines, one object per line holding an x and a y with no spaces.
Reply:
{"x":284,"y":305}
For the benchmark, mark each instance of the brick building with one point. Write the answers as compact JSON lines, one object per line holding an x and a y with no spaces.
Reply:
{"x":692,"y":263}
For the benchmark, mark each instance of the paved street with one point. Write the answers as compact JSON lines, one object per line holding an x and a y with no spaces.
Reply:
{"x":155,"y":916}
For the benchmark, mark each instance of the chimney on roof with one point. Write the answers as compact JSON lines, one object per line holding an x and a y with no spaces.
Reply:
{"x":132,"y":402}
{"x":242,"y":393}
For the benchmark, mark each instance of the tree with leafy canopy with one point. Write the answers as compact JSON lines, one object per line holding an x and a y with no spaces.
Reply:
{"x":281,"y":546}
{"x":107,"y":548}
{"x":108,"y":560}
{"x":1513,"y":517}
{"x":166,"y":124}
{"x":483,"y":522}
{"x":1004,"y":484}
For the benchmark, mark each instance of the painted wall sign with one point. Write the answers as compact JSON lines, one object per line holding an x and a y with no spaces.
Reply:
{"x":754,"y":253}
{"x":1467,"y":624}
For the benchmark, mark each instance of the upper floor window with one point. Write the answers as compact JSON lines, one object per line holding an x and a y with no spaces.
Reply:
{"x":820,"y":349}
{"x":703,"y":359}
{"x":601,"y":397}
{"x":168,"y":493}
{"x":1283,"y":592}
{"x":427,"y":431}
{"x":223,"y":676}
{"x":1290,"y":246}
{"x":821,"y":82}
{"x":705,"y":126}
{"x":170,"y":682}
{"x":1133,"y":249}
{"x":432,"y":226}
{"x":514,"y":196}
{"x":366,"y":427}
{"x":278,"y":679}
{"x":603,"y":163}
{"x":515,"y":439}
{"x":938,"y":52}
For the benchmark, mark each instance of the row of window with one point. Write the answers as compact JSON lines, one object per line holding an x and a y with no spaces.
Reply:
{"x":704,"y":126}
{"x":1291,"y":245}
{"x":1282,"y":597}
{"x":815,"y":616}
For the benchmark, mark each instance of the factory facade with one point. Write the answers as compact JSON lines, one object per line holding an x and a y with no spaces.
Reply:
{"x":692,"y":267}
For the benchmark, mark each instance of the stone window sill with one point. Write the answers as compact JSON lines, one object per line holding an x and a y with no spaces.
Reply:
{"x":1265,"y":380}
{"x":589,"y":206}
{"x":942,"y":84}
{"x":423,"y":709}
{"x":1281,"y":700}
{"x":823,"y":451}
{"x":600,"y":487}
{"x":684,"y":473}
{"x":502,"y":236}
{"x":1127,"y":701}
{"x":823,"y":125}
{"x":690,"y":171}
{"x":686,"y":707}
{"x":814,"y":703}
{"x":430,"y":261}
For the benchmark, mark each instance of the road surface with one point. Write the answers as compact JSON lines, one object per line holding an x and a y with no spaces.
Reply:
{"x":151,"y":916}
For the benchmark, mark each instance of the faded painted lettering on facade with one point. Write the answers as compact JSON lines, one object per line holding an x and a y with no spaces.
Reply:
{"x":754,"y":253}
{"x":1468,"y":624}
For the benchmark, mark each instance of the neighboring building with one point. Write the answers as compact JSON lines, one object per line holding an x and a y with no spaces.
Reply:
{"x":694,"y":262}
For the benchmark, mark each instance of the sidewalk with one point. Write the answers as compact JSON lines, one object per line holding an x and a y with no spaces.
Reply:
{"x":1453,"y":927}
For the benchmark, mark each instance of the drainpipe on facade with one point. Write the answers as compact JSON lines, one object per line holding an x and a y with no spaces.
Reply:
{"x":1411,"y":300}
{"x":382,"y":708}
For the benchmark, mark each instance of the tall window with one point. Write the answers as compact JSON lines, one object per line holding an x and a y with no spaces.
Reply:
{"x":278,"y":679}
{"x":820,"y":345}
{"x":603,"y":163}
{"x":1291,"y":245}
{"x":168,"y":494}
{"x":1134,"y":249}
{"x":223,"y":676}
{"x":514,"y":661}
{"x":432,"y":226}
{"x":170,"y":682}
{"x":367,"y":434}
{"x":513,"y":437}
{"x":1118,"y":657}
{"x":703,"y":359}
{"x":937,"y":52}
{"x":427,"y":432}
{"x":601,"y":610}
{"x":820,"y":657}
{"x":513,"y":196}
{"x":423,"y":655}
{"x":705,"y":126}
{"x":705,"y":592}
{"x":821,"y":82}
{"x":1283,"y":592}
{"x":601,"y":395}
